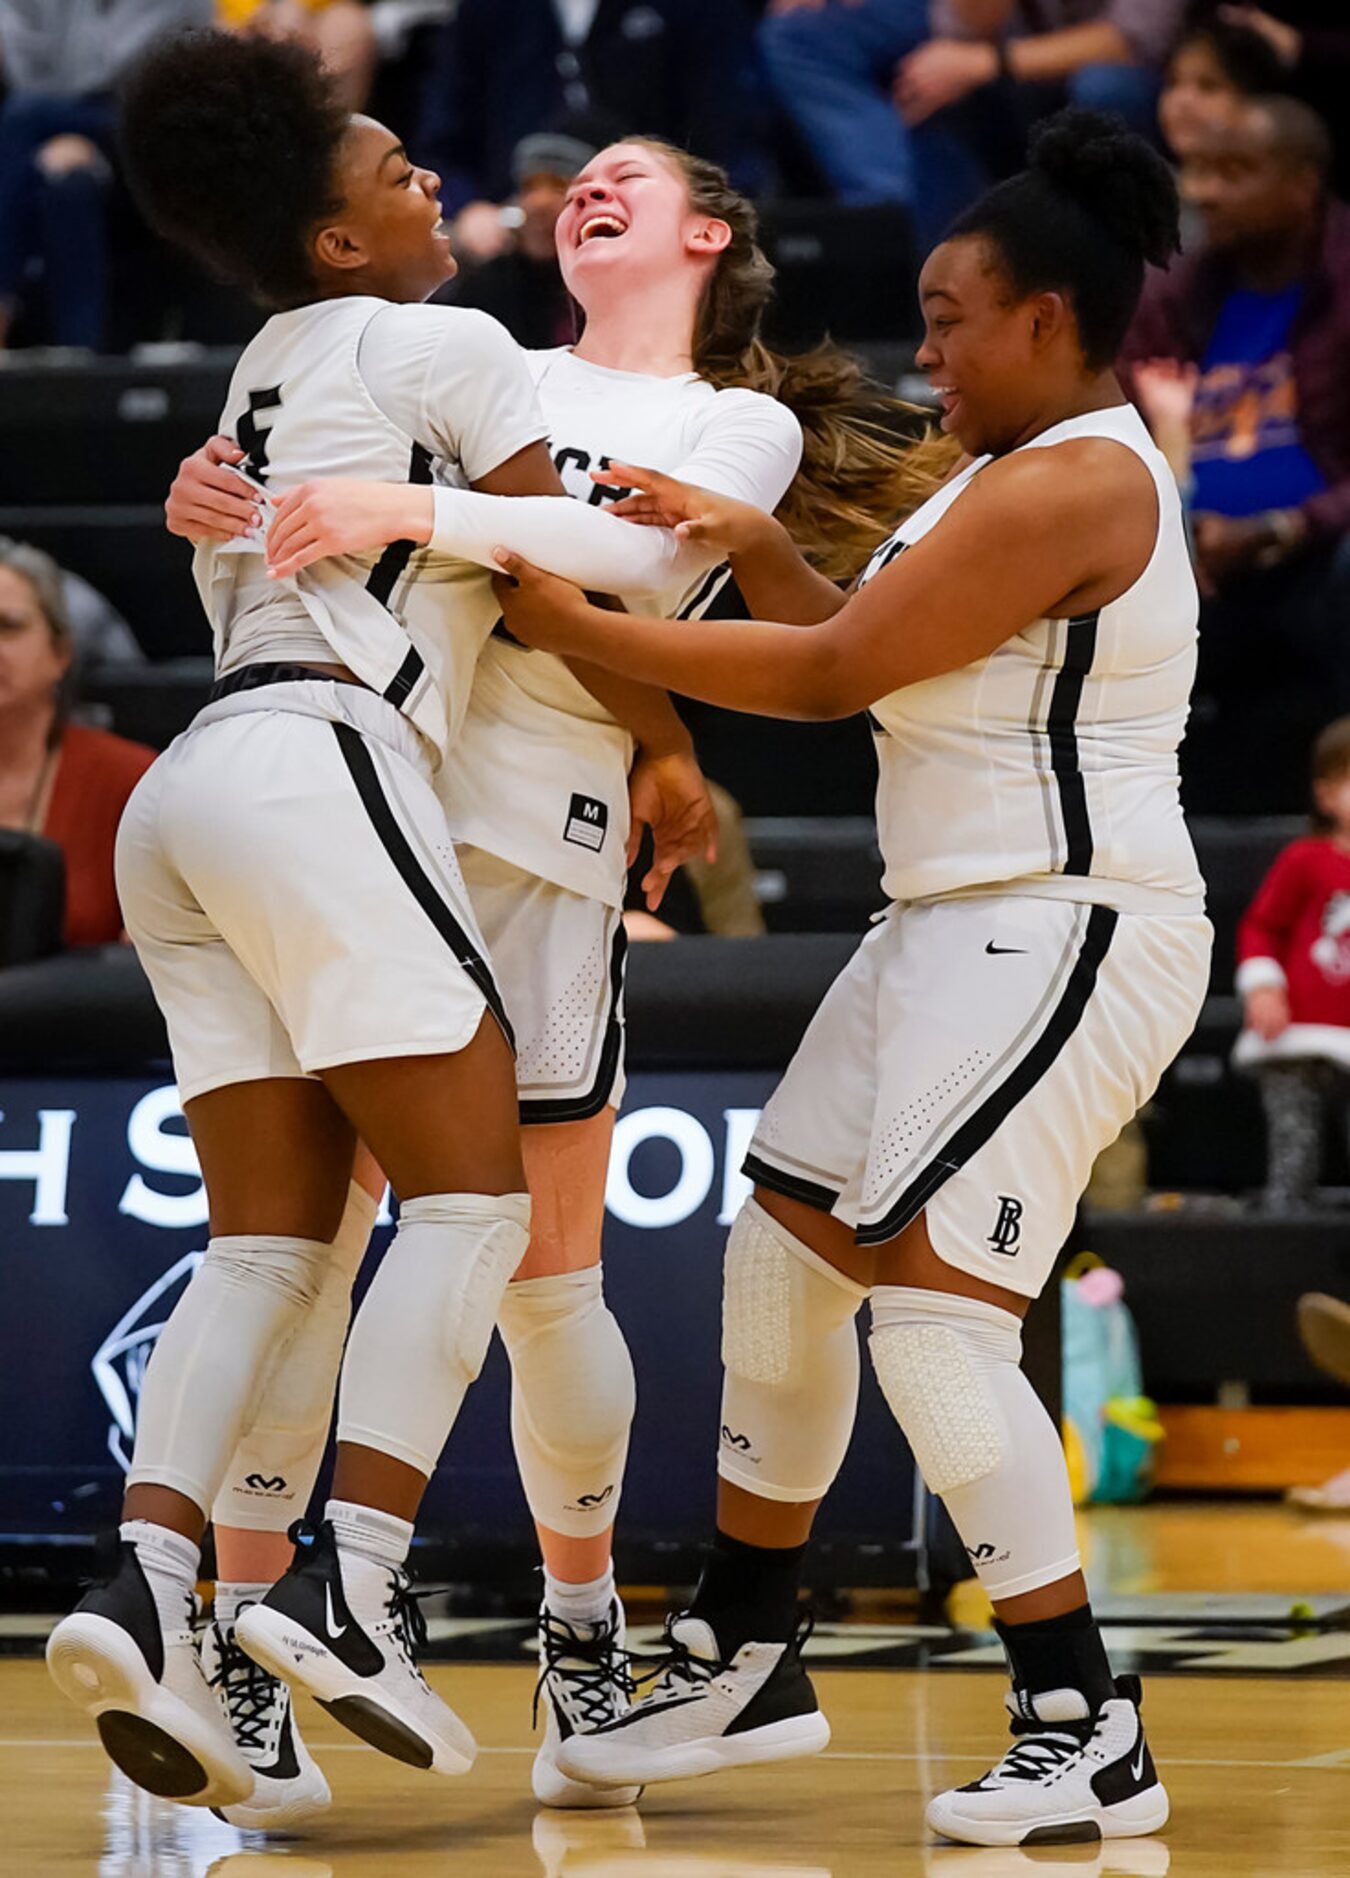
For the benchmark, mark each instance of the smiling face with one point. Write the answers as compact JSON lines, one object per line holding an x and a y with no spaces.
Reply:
{"x":387,"y":237}
{"x":628,"y":216}
{"x":984,"y":350}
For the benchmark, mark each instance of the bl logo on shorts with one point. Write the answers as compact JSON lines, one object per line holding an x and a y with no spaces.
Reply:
{"x":1007,"y":1233}
{"x":587,"y":821}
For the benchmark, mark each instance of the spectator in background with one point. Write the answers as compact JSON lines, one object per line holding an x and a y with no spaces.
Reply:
{"x":61,"y":61}
{"x":1293,"y":978}
{"x":679,"y":69}
{"x":1214,"y":68}
{"x":523,"y":285}
{"x":58,"y":779}
{"x":903,"y":102}
{"x":1254,"y":335}
{"x":342,"y":32}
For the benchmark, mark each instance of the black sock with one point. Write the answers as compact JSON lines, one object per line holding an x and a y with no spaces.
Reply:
{"x":1064,"y":1652}
{"x":748,"y":1593}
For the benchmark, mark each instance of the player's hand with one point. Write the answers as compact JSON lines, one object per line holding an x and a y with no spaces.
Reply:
{"x":668,"y":794}
{"x":1266,"y":1011}
{"x":541,"y":609}
{"x":208,"y":501}
{"x":717,"y":523}
{"x":340,"y":515}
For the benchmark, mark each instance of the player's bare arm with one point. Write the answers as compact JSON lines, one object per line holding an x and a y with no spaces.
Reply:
{"x":1067,"y":529}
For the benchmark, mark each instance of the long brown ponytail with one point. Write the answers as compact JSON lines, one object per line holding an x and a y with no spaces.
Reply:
{"x":868,"y":459}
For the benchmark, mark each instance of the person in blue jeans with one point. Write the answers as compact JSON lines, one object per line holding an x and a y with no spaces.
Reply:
{"x":928,"y":104}
{"x":62,"y":61}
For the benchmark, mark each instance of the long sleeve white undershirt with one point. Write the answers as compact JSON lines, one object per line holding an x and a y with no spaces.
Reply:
{"x":584,"y":544}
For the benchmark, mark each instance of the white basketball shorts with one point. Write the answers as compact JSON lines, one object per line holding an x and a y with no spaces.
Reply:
{"x":970,"y":1063}
{"x":558,"y":958}
{"x":287,"y":877}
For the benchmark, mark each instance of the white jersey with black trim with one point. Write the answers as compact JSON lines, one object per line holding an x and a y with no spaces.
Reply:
{"x":1050,"y":767}
{"x":539,"y":775}
{"x":357,"y":387}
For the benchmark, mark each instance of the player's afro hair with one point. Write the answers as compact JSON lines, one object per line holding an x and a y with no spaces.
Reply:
{"x":229,"y":146}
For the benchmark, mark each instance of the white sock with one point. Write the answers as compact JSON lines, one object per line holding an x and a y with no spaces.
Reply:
{"x":170,"y":1564}
{"x":364,"y":1530}
{"x":231,"y":1598}
{"x":580,"y":1604}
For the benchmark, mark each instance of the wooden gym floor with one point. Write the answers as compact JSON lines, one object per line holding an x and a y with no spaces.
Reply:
{"x":1258,"y":1765}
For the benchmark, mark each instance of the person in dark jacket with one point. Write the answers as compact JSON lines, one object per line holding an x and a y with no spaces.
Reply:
{"x":1260,"y":323}
{"x":679,"y":69}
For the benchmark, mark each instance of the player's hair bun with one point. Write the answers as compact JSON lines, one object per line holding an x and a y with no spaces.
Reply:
{"x":1115,"y":176}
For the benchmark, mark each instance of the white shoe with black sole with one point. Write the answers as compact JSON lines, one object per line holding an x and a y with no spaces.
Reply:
{"x":705,"y":1714}
{"x":346,"y":1630}
{"x":583,"y":1685}
{"x":289,"y":1788}
{"x":141,"y":1682}
{"x":1070,"y":1776}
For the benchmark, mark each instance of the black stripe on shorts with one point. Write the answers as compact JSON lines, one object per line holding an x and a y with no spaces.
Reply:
{"x":361,"y":767}
{"x":791,"y":1186}
{"x":537,"y":1111}
{"x":979,"y":1127}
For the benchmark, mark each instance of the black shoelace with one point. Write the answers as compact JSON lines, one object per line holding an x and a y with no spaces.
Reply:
{"x":593,"y":1665}
{"x":1040,"y":1752}
{"x":409,"y":1621}
{"x":249,"y":1691}
{"x":676,"y":1664}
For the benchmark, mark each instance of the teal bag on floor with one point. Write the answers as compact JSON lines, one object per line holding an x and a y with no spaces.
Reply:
{"x":1112,"y":1429}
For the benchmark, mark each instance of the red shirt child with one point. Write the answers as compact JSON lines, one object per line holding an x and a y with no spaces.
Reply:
{"x":1294,"y":940}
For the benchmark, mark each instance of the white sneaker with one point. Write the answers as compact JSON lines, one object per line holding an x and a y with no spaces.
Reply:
{"x":1070,"y":1776}
{"x":705,"y":1713}
{"x":347,"y":1630}
{"x":288,"y":1785}
{"x":139,"y":1678}
{"x":584,"y":1683}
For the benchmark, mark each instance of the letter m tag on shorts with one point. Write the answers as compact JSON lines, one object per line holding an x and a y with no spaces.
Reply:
{"x":587,"y":821}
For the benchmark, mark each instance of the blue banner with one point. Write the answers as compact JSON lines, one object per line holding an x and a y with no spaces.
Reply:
{"x":103,"y":1219}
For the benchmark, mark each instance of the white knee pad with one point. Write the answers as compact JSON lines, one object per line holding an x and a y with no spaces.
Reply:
{"x":202,"y":1380}
{"x":932,"y":1354}
{"x":950,"y":1368}
{"x":572,"y":1399}
{"x":272,"y":1472}
{"x":790,"y":1351}
{"x":423,"y":1328}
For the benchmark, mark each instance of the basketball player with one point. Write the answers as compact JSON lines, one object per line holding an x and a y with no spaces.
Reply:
{"x":1026,"y":645}
{"x":661,"y":255}
{"x":287,"y":878}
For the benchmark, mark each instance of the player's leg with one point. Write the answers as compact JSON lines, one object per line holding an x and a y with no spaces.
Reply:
{"x":274,"y":1156}
{"x":559,"y":961}
{"x":734,"y":1689}
{"x":267,"y":1486}
{"x":1068,"y":1021}
{"x":341,"y":1623}
{"x":572,"y":1400}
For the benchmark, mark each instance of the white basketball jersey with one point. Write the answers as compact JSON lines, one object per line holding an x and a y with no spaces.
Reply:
{"x":408,"y":622}
{"x":1051,"y":765}
{"x":539,"y":775}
